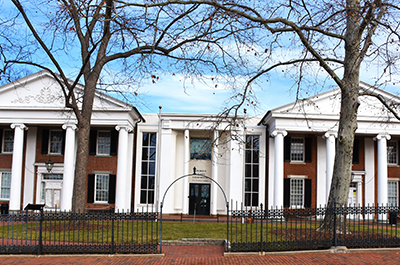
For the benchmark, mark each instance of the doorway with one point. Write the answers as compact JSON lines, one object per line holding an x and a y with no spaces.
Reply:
{"x":199,"y":199}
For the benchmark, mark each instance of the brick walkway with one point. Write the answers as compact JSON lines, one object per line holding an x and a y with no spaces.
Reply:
{"x":211,"y":255}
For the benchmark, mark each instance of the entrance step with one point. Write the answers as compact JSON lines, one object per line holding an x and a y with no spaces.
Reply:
{"x":195,"y":242}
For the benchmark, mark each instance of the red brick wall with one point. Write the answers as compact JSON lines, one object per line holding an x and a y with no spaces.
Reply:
{"x":309,"y":169}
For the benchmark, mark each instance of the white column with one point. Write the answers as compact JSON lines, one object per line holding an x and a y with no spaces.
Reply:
{"x":185,"y":187}
{"x":382,"y":168}
{"x":359,"y":193}
{"x":214,"y":187}
{"x":69,"y":167}
{"x":29,"y":172}
{"x":330,"y":159}
{"x":16,"y":170}
{"x":122,"y":199}
{"x":278,"y":167}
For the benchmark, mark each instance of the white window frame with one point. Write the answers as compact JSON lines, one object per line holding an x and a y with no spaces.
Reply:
{"x":97,"y":143}
{"x":148,"y":175}
{"x":104,"y":189}
{"x":390,"y":146}
{"x":293,"y":193}
{"x":4,"y":141}
{"x":252,"y":177}
{"x":396,"y":192}
{"x":294,"y":151}
{"x":2,"y":173}
{"x":50,"y":142}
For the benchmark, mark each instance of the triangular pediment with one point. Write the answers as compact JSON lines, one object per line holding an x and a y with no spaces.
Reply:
{"x":328,"y":103}
{"x":41,"y":91}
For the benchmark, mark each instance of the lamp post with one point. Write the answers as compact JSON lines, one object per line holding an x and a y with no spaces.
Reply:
{"x":49,"y":165}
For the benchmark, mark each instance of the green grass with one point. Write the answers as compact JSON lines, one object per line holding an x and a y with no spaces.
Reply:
{"x":136,"y":232}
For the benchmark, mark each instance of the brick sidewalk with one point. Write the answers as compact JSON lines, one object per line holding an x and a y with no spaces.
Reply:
{"x":211,"y":255}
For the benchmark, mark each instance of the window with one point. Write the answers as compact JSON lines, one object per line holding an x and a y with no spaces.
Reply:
{"x":200,"y":148}
{"x":147,"y":182}
{"x":8,"y":141}
{"x":297,"y":150}
{"x":296,"y":192}
{"x":252,"y":156}
{"x":103,"y":142}
{"x":55,"y":142}
{"x":392,"y":153}
{"x":5,"y":185}
{"x":393,"y":189}
{"x":101,"y":188}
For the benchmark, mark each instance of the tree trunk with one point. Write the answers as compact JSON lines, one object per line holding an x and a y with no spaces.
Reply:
{"x":82,"y":154}
{"x":341,"y":178}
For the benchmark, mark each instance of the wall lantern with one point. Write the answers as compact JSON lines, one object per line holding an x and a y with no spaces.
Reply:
{"x":49,"y":165}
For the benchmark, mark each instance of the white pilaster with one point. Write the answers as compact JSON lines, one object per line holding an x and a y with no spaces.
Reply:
{"x":166,"y":165}
{"x":236,"y":172}
{"x":214,"y":187}
{"x":122,"y":200}
{"x":186,"y":158}
{"x":30,"y":158}
{"x":69,"y":167}
{"x":330,"y":159}
{"x":369,"y":172}
{"x":382,"y":168}
{"x":278,"y":167}
{"x":16,"y":169}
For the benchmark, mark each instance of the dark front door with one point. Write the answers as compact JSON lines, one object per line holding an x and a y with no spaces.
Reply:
{"x":199,"y":199}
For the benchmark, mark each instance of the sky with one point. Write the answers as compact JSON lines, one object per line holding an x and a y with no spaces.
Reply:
{"x":175,"y":95}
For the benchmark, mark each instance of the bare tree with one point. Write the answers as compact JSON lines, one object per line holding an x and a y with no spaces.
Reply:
{"x":341,"y":38}
{"x":132,"y":41}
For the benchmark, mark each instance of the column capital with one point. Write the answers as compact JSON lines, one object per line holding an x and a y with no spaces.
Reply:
{"x":20,"y":125}
{"x":382,"y":136}
{"x":276,"y":132}
{"x":126,"y":127}
{"x":69,"y":125}
{"x":329,"y":134}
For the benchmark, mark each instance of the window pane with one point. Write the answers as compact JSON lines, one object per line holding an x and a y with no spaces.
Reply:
{"x":153,"y":139}
{"x":55,"y":142}
{"x":143,"y":181}
{"x":101,"y":192}
{"x":103,"y":142}
{"x":200,"y":148}
{"x":393,"y":193}
{"x":392,"y":152}
{"x":145,"y":153}
{"x":8,"y":141}
{"x":152,"y":153}
{"x":5,"y":185}
{"x":296,"y":192}
{"x":297,"y":149}
{"x":145,"y":139}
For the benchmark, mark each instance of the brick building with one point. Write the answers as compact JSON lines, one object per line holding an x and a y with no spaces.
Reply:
{"x":284,"y":159}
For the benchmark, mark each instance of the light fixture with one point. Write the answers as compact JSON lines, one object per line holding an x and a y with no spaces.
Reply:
{"x":49,"y":165}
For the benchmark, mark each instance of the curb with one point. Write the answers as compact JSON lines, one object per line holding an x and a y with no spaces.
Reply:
{"x":332,"y":250}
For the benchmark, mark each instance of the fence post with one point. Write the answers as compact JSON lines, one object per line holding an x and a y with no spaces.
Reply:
{"x":112,"y":233}
{"x":227,"y":227}
{"x":261,"y":229}
{"x":40,"y":232}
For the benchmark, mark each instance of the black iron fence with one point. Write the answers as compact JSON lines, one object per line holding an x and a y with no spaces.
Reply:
{"x":78,"y":233}
{"x":257,"y":229}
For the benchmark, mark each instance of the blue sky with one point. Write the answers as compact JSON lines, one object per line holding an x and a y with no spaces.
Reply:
{"x":175,"y":95}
